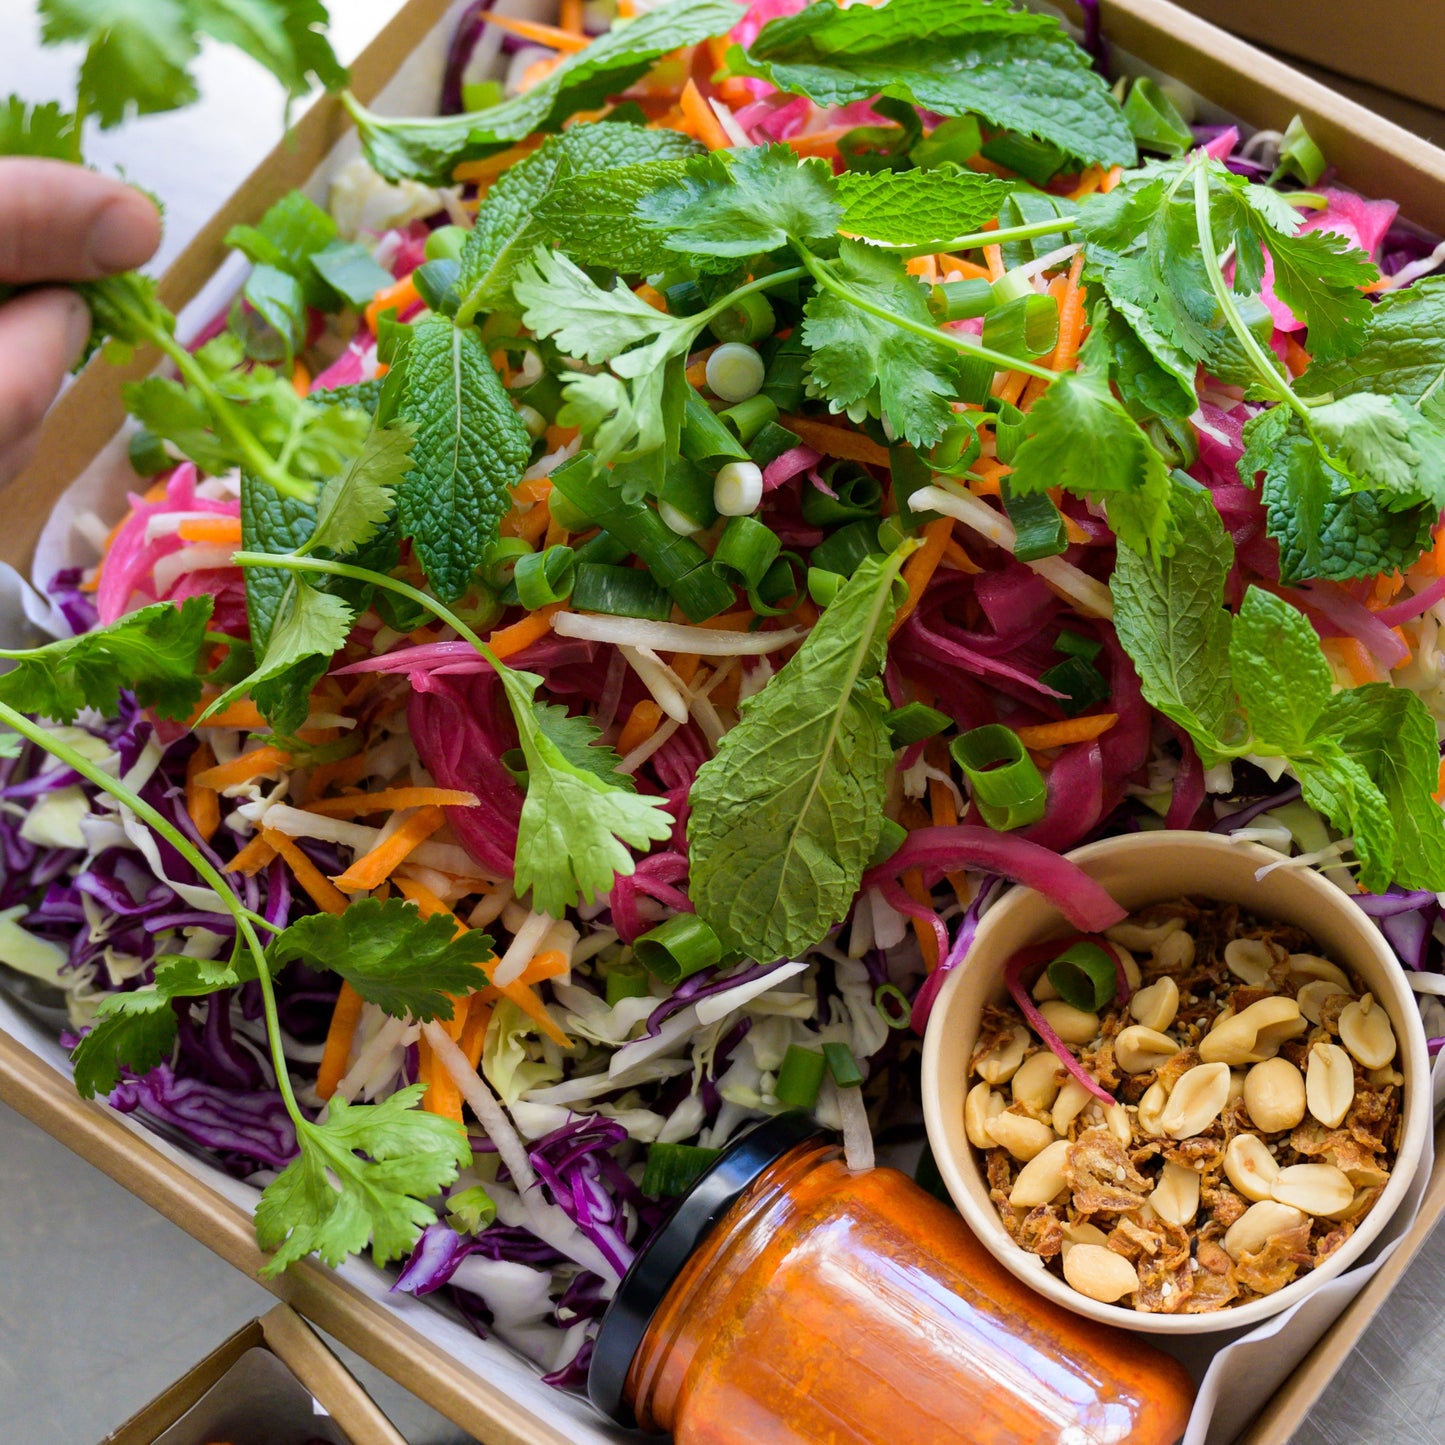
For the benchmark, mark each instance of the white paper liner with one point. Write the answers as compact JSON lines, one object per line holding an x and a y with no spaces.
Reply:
{"x":1237,"y":1377}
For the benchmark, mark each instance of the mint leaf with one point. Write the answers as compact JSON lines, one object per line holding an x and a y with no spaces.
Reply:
{"x":393,"y":957}
{"x":362,"y":1176}
{"x":133,"y":1031}
{"x":1018,"y":70}
{"x":1170,"y":617}
{"x":537,"y":201}
{"x":786,"y":817}
{"x":1153,"y":378}
{"x":152,"y":652}
{"x":742,"y":203}
{"x":44,"y":131}
{"x":862,"y":360}
{"x":1279,"y":671}
{"x":469,"y":449}
{"x":429,"y":149}
{"x":1336,"y":785}
{"x":575,"y":820}
{"x":912,"y":207}
{"x":593,"y":218}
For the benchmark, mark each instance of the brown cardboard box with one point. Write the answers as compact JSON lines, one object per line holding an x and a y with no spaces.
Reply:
{"x":354,"y":1418}
{"x":1379,"y":157}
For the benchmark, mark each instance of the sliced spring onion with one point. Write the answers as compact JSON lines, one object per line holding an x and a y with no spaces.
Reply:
{"x":445,"y":243}
{"x":735,"y":371}
{"x":844,"y":551}
{"x":858,"y":494}
{"x":685,"y":298}
{"x":687,"y":489}
{"x":566,"y":514}
{"x":915,"y":721}
{"x":679,"y":948}
{"x":545,"y":577}
{"x":785,"y":381}
{"x":1010,"y":428}
{"x":1038,"y":525}
{"x":748,"y":548}
{"x":704,"y":438}
{"x":962,"y":300}
{"x":619,"y":592}
{"x":975,"y":379}
{"x":604,"y":548}
{"x":1007,"y":788}
{"x":890,"y":839}
{"x":823,"y":585}
{"x":1174,"y":438}
{"x":1081,"y":683}
{"x":1011,"y":286}
{"x":737,"y":489}
{"x":544,"y":394}
{"x":1075,"y":644}
{"x":437,"y":284}
{"x":1026,"y":327}
{"x":892,"y":1005}
{"x":1085,"y":976}
{"x":956,"y":450}
{"x":1034,"y":160}
{"x":673,"y":1169}
{"x":1155,"y":120}
{"x":702,"y":592}
{"x":470,"y":1211}
{"x":842,"y":1065}
{"x":748,"y":418}
{"x":800,"y":1077}
{"x":748,"y":319}
{"x":480,"y":609}
{"x":955,"y":142}
{"x":625,"y":981}
{"x":1299,"y":156}
{"x":771,"y":441}
{"x":499,"y":561}
{"x":781,"y":588}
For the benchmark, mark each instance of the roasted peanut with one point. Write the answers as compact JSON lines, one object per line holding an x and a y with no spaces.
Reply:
{"x":1329,"y":1084}
{"x":1304,"y":967}
{"x":1255,"y":1034}
{"x":1067,"y":1107}
{"x":1176,"y":1196}
{"x":1043,"y":990}
{"x":1137,"y":1049}
{"x":1021,"y":1136}
{"x":1365,"y":1030}
{"x":1248,"y":959}
{"x":1082,"y":1234}
{"x":1196,"y":1101}
{"x":1151,"y":1108}
{"x":1258,"y":1225}
{"x":1274,"y":1094}
{"x":1143,"y":937}
{"x":1381,"y":1078}
{"x":1099,"y":1273}
{"x":1042,"y":1178}
{"x":1236,"y":1085}
{"x":1073,"y":1025}
{"x":1036,"y":1084}
{"x":1131,"y":969}
{"x":1250,"y":1167}
{"x":1318,"y":1189}
{"x":997,"y":1065}
{"x":1175,"y":953}
{"x":1313,"y":994}
{"x":1154,"y":1007}
{"x":1116,"y":1117}
{"x":979,"y":1106}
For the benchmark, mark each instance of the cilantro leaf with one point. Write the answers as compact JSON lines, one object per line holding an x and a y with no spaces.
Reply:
{"x":469,"y":449}
{"x":1318,"y":275}
{"x":152,"y":652}
{"x":1020,"y":71}
{"x":361,"y":1176}
{"x":577,"y":737}
{"x":786,"y":817}
{"x":133,"y":1031}
{"x":393,"y":957}
{"x":537,"y":200}
{"x":862,"y":360}
{"x":909,"y":207}
{"x":428,"y":149}
{"x":356,"y":504}
{"x":1386,"y":446}
{"x":44,"y":131}
{"x":743,"y":203}
{"x":1170,"y":617}
{"x":575,"y":819}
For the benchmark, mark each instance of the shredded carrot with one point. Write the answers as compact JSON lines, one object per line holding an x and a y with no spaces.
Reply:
{"x":552,"y":36}
{"x":550,"y":964}
{"x":474,"y":1035}
{"x":202,"y":804}
{"x":652,"y":296}
{"x":685,"y":665}
{"x":1440,"y":783}
{"x":924,"y":267}
{"x":399,"y":296}
{"x":728,"y":622}
{"x":1355,"y":656}
{"x":953,"y":553}
{"x":1089,"y":181}
{"x":265,"y":759}
{"x":927,"y":942}
{"x":442,"y":1095}
{"x":570,"y":16}
{"x":242,"y":713}
{"x":641,"y":723}
{"x":1065,"y":355}
{"x":697,"y":373}
{"x":484,"y":172}
{"x":251,"y":859}
{"x":734,"y":92}
{"x":837,"y":441}
{"x":429,"y":904}
{"x":918,"y":570}
{"x":991,"y":473}
{"x":1012,"y":387}
{"x":1112,"y":177}
{"x":508,"y":641}
{"x":944,"y":813}
{"x":971,"y":269}
{"x":340,"y":774}
{"x":301,"y":379}
{"x":529,"y":523}
{"x":820,"y":143}
{"x":369,"y":870}
{"x":1383,"y":589}
{"x":627,"y":9}
{"x":725,"y":694}
{"x":307,"y":874}
{"x":1072,"y":730}
{"x":1409,"y":651}
{"x":224,"y":531}
{"x":388,"y":800}
{"x":701,"y":120}
{"x":1438,"y":552}
{"x":994,"y":256}
{"x":1296,"y":358}
{"x":339,"y":1036}
{"x":557,"y":534}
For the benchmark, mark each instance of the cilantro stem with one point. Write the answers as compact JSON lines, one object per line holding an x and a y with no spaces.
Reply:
{"x":976,"y":239}
{"x":823,"y":274}
{"x":1264,"y":365}
{"x":760,"y":283}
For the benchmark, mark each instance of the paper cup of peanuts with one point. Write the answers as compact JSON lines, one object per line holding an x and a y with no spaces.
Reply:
{"x":1188,"y":1123}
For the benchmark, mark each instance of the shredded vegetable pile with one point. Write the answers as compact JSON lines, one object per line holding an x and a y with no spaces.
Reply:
{"x":625,"y":587}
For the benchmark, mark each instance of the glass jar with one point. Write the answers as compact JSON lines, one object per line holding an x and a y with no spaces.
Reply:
{"x":789,"y":1301}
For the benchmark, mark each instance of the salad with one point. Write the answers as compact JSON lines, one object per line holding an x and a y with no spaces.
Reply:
{"x":623,"y":589}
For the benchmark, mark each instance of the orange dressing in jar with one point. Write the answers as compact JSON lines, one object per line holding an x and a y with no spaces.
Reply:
{"x":791,"y":1302}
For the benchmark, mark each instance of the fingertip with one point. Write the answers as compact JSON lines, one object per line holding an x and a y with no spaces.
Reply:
{"x":125,"y":232}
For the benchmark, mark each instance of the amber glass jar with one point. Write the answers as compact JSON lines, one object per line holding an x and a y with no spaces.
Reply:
{"x":792,"y":1302}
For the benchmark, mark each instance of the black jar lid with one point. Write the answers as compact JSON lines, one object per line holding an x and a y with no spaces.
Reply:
{"x":644,"y":1286}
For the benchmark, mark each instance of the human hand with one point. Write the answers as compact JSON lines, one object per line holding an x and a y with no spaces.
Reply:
{"x":59,"y":223}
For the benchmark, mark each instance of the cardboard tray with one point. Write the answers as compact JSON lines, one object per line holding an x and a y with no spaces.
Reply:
{"x":286,"y":1335}
{"x":1382,"y":159}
